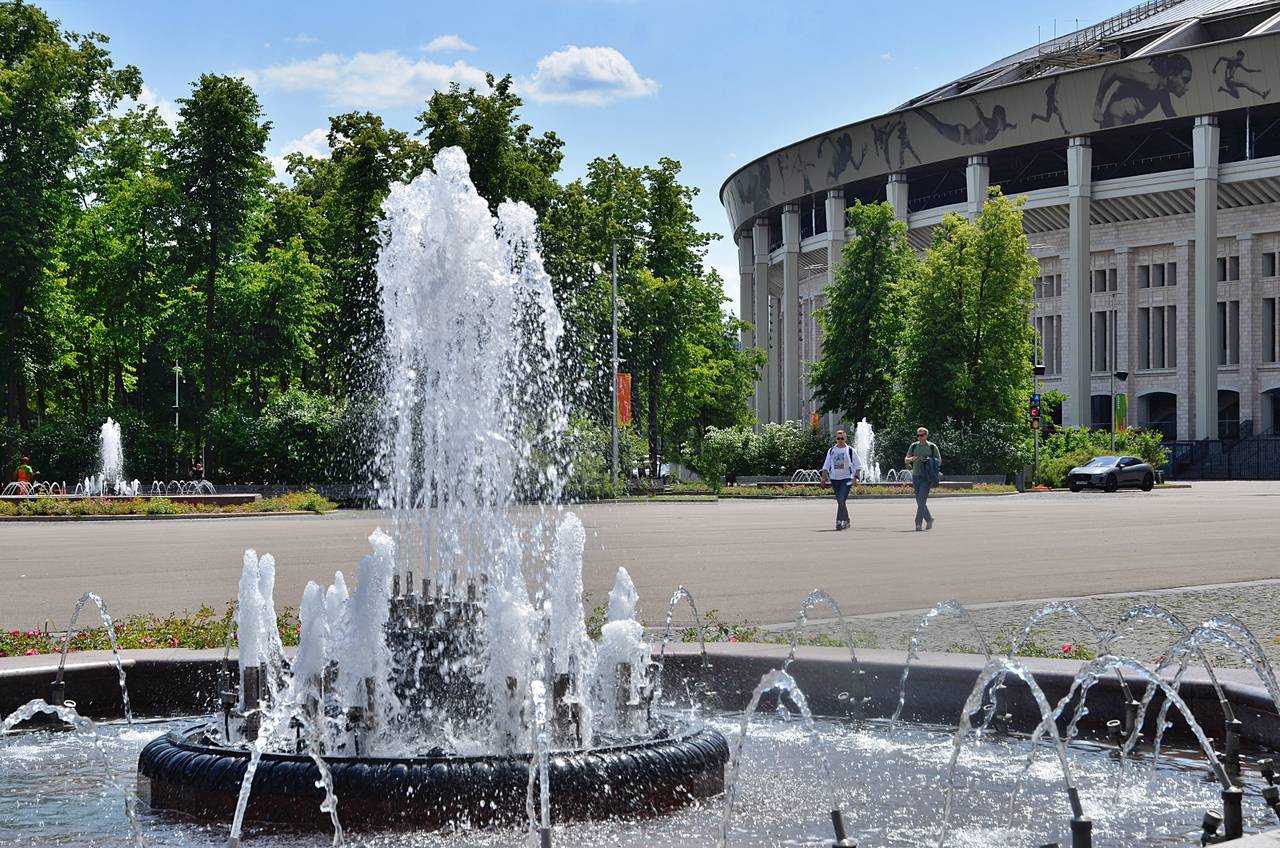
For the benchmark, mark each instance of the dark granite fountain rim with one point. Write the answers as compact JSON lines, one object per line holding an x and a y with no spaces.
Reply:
{"x":1243,"y":681}
{"x":678,"y":732}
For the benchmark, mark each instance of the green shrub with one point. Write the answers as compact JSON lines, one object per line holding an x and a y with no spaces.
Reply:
{"x":162,"y":506}
{"x":591,"y":452}
{"x":992,"y":447}
{"x":775,"y":450}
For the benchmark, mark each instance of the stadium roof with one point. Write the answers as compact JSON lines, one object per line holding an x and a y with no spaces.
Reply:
{"x":1149,"y":26}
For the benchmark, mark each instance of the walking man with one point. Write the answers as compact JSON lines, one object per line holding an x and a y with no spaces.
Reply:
{"x":841,"y":467}
{"x":926,"y":461}
{"x":25,"y":476}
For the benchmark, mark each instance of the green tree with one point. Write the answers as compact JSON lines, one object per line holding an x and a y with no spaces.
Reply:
{"x":220,"y":171}
{"x":117,"y":253}
{"x":966,"y":352}
{"x":862,"y":319}
{"x":348,"y":190}
{"x":53,"y":86}
{"x":508,"y":161}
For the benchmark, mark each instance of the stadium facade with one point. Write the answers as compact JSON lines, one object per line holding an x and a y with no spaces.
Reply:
{"x":1148,"y":150}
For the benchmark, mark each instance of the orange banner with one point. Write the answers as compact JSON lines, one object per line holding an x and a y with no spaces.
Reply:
{"x":624,"y":399}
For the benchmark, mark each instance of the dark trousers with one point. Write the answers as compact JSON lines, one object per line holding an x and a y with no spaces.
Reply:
{"x":921,"y":485}
{"x":841,"y":488}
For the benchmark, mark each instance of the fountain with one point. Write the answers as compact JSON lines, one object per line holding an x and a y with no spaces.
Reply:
{"x":456,"y":687}
{"x":457,"y":682}
{"x":110,"y":479}
{"x":864,"y":442}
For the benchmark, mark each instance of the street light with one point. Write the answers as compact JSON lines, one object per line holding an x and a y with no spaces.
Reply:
{"x":613,"y":391}
{"x":614,"y":379}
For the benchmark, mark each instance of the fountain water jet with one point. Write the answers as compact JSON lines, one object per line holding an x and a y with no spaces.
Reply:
{"x":443,"y":662}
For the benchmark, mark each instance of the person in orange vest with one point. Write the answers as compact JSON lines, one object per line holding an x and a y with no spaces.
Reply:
{"x":26,"y":474}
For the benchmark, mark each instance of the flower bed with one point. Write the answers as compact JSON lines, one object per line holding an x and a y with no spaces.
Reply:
{"x":308,"y":501}
{"x":201,"y":629}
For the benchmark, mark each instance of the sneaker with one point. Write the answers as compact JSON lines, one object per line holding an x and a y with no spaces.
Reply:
{"x":928,"y":524}
{"x":918,"y":528}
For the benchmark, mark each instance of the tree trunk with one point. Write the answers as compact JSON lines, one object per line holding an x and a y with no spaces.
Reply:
{"x":653,"y":418}
{"x":13,"y":334}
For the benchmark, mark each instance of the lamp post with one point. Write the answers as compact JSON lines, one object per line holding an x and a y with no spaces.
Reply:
{"x":614,"y":378}
{"x":177,"y":373}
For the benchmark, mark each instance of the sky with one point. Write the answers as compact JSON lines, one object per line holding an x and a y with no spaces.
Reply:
{"x":711,"y":83}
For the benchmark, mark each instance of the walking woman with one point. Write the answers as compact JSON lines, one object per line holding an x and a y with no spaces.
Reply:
{"x":841,"y":467}
{"x":926,"y":461}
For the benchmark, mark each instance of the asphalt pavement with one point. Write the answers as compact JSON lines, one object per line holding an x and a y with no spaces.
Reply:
{"x":748,"y":559}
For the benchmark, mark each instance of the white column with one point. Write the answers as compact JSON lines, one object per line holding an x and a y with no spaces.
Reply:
{"x":1076,"y":303}
{"x":837,"y":229}
{"x":790,"y":313}
{"x":746,"y":289}
{"x":760,"y":284}
{"x":837,"y":214}
{"x":1204,"y":147}
{"x":977,"y":177}
{"x":895,"y":191}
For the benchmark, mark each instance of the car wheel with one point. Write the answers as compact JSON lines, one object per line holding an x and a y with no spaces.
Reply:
{"x":1075,"y":487}
{"x":1148,"y":482}
{"x":1112,"y":483}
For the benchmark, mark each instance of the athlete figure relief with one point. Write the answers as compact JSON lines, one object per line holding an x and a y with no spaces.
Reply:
{"x":1129,"y":94}
{"x":896,"y":128}
{"x":795,"y":163}
{"x":841,"y":155}
{"x":1230,"y":84}
{"x":752,"y":187}
{"x":1051,"y":108}
{"x":981,"y":131}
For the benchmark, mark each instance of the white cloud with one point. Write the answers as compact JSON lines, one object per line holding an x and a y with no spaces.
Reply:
{"x":442,"y":43}
{"x":368,"y":80}
{"x":590,"y":76}
{"x":168,"y":111}
{"x":302,"y":38}
{"x":886,"y":56}
{"x":314,"y":143}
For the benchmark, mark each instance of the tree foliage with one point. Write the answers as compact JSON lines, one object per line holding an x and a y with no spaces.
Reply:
{"x":133,"y":252}
{"x":862,"y":319}
{"x":967,"y":343}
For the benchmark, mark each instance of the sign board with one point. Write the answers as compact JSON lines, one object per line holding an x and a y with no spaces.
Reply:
{"x":1122,"y":411}
{"x":624,"y":399}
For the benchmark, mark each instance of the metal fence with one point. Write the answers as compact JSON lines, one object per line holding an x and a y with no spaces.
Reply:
{"x":1253,"y":458}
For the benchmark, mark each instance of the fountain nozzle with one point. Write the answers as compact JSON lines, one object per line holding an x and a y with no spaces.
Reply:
{"x":1209,"y":827}
{"x":1231,"y":749}
{"x":842,"y":836}
{"x":1115,"y":731}
{"x":1271,"y":794}
{"x":1267,"y":766}
{"x":544,"y":837}
{"x":1081,"y":827}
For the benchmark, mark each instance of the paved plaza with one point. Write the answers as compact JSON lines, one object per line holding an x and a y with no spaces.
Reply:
{"x":748,"y":559}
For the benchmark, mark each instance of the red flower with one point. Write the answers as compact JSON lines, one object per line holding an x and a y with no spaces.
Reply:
{"x":15,"y":632}
{"x":31,"y":652}
{"x":1066,"y":649}
{"x":173,"y":642}
{"x":733,"y":638}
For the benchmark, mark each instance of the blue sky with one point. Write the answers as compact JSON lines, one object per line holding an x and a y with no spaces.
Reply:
{"x":711,"y":83}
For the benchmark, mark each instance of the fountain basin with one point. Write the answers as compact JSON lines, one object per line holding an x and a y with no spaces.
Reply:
{"x":184,"y":771}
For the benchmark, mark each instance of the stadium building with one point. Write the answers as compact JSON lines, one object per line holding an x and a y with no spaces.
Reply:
{"x":1148,"y":148}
